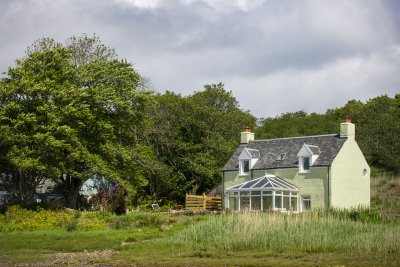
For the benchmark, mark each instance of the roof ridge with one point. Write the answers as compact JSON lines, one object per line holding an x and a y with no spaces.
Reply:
{"x":296,"y":137}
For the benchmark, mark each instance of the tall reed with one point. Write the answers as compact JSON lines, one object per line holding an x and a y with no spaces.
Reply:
{"x":305,"y":232}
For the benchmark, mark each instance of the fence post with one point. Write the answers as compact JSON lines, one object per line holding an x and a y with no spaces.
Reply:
{"x":204,"y":201}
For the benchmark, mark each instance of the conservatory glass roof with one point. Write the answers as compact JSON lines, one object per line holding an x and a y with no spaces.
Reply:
{"x":267,"y":182}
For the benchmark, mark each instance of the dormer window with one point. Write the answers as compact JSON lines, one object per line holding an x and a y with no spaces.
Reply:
{"x":307,"y":155}
{"x":247,"y":160}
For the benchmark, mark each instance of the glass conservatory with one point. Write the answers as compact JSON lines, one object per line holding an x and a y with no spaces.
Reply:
{"x":263,"y":194}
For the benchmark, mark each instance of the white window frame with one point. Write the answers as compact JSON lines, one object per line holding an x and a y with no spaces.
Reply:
{"x":242,"y":164}
{"x":301,"y":165}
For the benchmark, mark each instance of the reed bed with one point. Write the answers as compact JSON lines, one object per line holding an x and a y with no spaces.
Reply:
{"x":316,"y":232}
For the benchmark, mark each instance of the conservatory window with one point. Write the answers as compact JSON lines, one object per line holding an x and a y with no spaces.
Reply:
{"x":244,"y":202}
{"x":278,"y":200}
{"x":267,"y":203}
{"x":266,"y":193}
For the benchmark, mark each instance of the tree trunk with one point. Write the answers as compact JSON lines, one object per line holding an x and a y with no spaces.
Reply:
{"x":73,"y":187}
{"x":25,"y":189}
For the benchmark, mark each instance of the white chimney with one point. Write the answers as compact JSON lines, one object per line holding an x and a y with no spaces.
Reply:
{"x":347,"y":129}
{"x":246,"y":136}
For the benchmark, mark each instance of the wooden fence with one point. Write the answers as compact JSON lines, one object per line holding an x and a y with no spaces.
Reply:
{"x":202,"y":203}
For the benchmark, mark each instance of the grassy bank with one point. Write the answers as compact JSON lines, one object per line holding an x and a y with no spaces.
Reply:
{"x":325,"y":238}
{"x":300,"y":233}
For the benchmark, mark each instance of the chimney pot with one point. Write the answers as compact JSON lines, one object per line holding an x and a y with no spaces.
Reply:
{"x":246,"y":136}
{"x":347,"y":119}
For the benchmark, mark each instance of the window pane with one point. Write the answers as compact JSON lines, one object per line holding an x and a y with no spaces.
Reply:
{"x":244,"y":203}
{"x":267,"y":192}
{"x":286,"y":203}
{"x":293,"y":203}
{"x":278,"y":202}
{"x":233,"y":203}
{"x":255,"y":203}
{"x":244,"y":193}
{"x":246,"y":166}
{"x":306,"y":164}
{"x":306,"y":202}
{"x":255,"y":193}
{"x":250,"y":184}
{"x":267,"y":203}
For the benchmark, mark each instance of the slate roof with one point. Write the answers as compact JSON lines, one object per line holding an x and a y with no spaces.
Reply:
{"x":314,"y":149}
{"x":328,"y":146}
{"x":254,"y":153}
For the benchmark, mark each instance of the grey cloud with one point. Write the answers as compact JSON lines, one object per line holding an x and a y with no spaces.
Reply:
{"x":276,"y":56}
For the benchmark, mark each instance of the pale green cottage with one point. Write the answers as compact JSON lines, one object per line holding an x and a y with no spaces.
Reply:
{"x":297,"y":173}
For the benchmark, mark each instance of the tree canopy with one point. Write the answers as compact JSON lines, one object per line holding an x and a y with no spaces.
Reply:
{"x":71,"y":111}
{"x":377,"y":127}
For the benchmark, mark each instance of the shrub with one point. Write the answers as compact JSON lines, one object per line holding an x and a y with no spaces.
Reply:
{"x":18,"y":219}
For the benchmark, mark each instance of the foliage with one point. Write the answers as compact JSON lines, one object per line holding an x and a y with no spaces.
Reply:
{"x":377,"y":122}
{"x":70,"y":111}
{"x":192,"y":138}
{"x":385,"y":196}
{"x":113,"y":201}
{"x":19,"y":219}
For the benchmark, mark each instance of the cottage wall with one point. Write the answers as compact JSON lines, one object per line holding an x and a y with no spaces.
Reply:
{"x":350,"y":178}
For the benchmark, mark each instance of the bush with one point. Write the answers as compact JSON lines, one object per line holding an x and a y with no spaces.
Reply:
{"x":18,"y":219}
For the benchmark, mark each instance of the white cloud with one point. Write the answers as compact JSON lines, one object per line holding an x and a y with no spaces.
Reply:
{"x":226,"y":6}
{"x":141,"y":4}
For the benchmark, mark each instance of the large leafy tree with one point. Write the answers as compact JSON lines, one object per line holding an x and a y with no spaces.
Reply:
{"x":379,"y":132}
{"x":193,"y":137}
{"x":69,"y":111}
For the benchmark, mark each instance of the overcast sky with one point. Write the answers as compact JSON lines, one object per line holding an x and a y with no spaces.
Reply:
{"x":275,"y":56}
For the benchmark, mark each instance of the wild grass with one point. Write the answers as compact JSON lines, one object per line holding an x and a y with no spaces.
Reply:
{"x":311,"y":232}
{"x":385,"y":195}
{"x":326,"y":237}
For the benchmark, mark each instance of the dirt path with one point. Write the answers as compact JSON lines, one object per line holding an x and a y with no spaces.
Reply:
{"x":93,"y":258}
